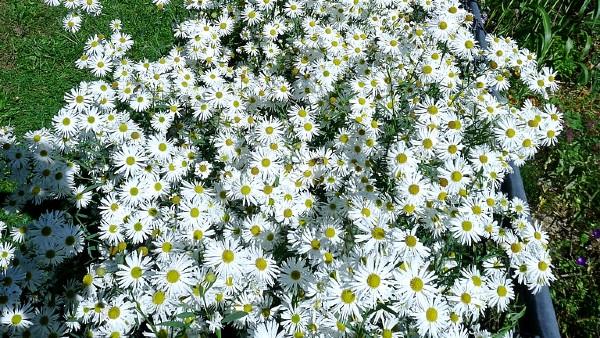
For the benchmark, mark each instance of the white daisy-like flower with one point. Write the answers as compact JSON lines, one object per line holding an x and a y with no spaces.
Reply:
{"x":71,"y":22}
{"x":500,"y":291}
{"x":177,"y":276}
{"x":268,"y":329}
{"x":17,"y":317}
{"x":431,"y":317}
{"x":227,"y":257}
{"x":262,"y":266}
{"x":416,"y":284}
{"x":374,"y":280}
{"x":342,"y":300}
{"x":135,"y":272}
{"x":294,"y":275}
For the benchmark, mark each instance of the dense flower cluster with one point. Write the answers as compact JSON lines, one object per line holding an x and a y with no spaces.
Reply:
{"x":77,"y":8}
{"x":297,"y":168}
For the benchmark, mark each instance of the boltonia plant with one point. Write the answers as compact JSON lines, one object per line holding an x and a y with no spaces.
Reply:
{"x":290,"y":169}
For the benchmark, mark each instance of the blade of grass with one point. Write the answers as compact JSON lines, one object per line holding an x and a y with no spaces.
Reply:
{"x":568,"y":46}
{"x":547,"y":36}
{"x":583,"y":7}
{"x":547,"y":25}
{"x":588,"y":44}
{"x":585,"y":73}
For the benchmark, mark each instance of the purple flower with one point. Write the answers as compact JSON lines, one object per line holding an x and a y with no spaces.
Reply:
{"x":596,"y":233}
{"x":581,"y":261}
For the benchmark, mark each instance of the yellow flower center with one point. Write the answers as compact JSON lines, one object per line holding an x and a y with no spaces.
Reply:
{"x":401,"y":158}
{"x":114,"y":313}
{"x":158,"y":297}
{"x":228,"y":256}
{"x":16,"y":319}
{"x":173,"y":276}
{"x":136,"y":272}
{"x":431,"y":314}
{"x":378,"y":233}
{"x":427,"y":143}
{"x":329,"y":232}
{"x":315,"y":244}
{"x":373,"y":280}
{"x":467,"y":225}
{"x":515,"y":247}
{"x":416,"y":284}
{"x":245,"y":190}
{"x":255,"y":230}
{"x":261,"y":264}
{"x":413,"y":189}
{"x":348,"y":296}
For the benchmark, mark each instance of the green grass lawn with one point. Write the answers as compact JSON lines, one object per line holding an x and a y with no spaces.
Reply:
{"x":37,"y":56}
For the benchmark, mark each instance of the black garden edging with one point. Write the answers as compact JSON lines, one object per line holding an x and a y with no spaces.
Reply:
{"x":540,"y":318}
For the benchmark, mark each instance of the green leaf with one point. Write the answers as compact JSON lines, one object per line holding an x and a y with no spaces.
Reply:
{"x":547,"y":37}
{"x":573,"y":120}
{"x":186,"y":315}
{"x":585,"y":73}
{"x":584,"y":238}
{"x":234,"y":316}
{"x":173,"y":324}
{"x":540,"y":48}
{"x":511,"y":322}
{"x":387,"y":308}
{"x":583,"y":7}
{"x":515,"y":316}
{"x":568,"y":46}
{"x":588,"y":43}
{"x":93,"y":187}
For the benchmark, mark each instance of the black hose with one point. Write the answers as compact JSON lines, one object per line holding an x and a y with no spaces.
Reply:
{"x":540,"y":318}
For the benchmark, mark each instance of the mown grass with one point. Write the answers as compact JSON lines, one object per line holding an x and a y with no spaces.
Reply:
{"x":37,"y":55}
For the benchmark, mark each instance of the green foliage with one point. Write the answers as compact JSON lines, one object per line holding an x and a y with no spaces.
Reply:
{"x":37,"y":56}
{"x":564,"y":34}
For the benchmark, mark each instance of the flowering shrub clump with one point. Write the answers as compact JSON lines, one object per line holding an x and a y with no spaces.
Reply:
{"x":292,"y":168}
